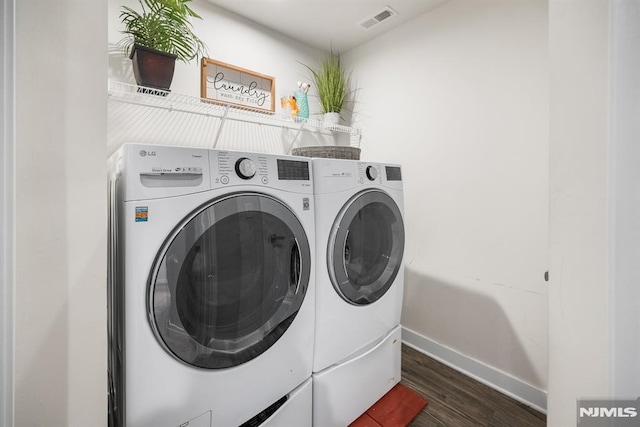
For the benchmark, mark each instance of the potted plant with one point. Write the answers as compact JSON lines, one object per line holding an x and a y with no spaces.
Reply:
{"x":156,"y":37}
{"x":332,"y":85}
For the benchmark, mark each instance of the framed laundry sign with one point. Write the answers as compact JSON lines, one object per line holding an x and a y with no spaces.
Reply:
{"x":238,"y":87}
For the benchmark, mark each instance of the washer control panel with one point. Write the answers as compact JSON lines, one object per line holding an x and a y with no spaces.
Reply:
{"x":229,"y":166}
{"x":245,"y":168}
{"x":372,"y":173}
{"x":240,"y":168}
{"x":293,"y":170}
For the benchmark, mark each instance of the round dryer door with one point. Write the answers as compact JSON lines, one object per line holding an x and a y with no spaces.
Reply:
{"x":366,"y":247}
{"x":229,"y":281}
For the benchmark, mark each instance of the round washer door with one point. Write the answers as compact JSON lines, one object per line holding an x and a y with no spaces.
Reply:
{"x":366,"y":247}
{"x":229,"y":281}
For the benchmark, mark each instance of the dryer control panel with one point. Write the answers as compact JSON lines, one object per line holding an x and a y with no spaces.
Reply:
{"x":376,"y":173}
{"x":370,"y":173}
{"x":333,"y":175}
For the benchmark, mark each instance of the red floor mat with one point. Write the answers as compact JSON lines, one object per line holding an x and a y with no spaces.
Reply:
{"x":395,"y":409}
{"x":364,"y":421}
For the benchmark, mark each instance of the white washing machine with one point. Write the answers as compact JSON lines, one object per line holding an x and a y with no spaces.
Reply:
{"x":359,"y":285}
{"x":211,"y":288}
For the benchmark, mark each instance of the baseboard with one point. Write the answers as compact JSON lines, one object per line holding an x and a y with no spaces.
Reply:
{"x":488,"y":375}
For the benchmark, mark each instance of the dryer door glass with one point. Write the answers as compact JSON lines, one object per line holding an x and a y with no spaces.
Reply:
{"x":230,"y":281}
{"x":366,"y":247}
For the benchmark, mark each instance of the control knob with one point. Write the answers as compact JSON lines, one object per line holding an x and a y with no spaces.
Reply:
{"x":372,"y":173}
{"x":245,"y":168}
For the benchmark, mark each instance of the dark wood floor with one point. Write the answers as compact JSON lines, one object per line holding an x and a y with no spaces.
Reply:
{"x":456,"y":400}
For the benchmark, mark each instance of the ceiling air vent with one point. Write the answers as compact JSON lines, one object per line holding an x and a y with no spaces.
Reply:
{"x":380,"y":16}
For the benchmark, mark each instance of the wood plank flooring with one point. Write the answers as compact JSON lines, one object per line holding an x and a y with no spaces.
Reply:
{"x":456,"y":400}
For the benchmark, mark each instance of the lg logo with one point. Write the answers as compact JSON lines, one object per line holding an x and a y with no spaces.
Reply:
{"x":144,"y":153}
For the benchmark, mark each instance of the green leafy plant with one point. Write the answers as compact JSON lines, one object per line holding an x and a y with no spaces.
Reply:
{"x":163,"y":25}
{"x":332,"y":83}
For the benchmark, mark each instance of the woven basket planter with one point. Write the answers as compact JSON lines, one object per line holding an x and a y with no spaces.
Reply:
{"x":328,"y":152}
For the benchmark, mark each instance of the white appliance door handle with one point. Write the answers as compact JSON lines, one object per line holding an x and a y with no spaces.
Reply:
{"x":296,"y":265}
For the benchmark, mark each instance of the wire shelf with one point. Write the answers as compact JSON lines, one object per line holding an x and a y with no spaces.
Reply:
{"x":145,"y":115}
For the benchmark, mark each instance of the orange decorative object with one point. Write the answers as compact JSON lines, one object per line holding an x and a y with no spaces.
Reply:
{"x":294,"y":106}
{"x":290,"y":102}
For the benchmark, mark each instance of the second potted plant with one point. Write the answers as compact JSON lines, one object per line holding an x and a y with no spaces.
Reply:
{"x":331,"y":81}
{"x":156,"y":37}
{"x":332,"y":84}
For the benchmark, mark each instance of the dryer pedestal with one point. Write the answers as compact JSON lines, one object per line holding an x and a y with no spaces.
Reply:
{"x":343,"y":392}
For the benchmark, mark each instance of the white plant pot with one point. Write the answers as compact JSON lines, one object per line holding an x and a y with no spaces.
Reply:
{"x":332,"y":118}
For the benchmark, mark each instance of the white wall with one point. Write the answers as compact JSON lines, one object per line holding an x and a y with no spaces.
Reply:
{"x":625,"y":134}
{"x":459,"y":96}
{"x":579,"y":327}
{"x":7,"y":214}
{"x":230,"y":39}
{"x":60,"y":289}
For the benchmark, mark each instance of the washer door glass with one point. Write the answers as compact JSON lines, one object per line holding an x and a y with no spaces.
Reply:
{"x":366,"y":247}
{"x":230,"y":281}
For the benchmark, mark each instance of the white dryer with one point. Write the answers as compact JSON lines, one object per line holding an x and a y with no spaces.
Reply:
{"x":211,"y":288}
{"x":359,"y":285}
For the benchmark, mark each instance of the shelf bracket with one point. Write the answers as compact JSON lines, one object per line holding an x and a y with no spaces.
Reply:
{"x":222,"y":121}
{"x":295,"y":138}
